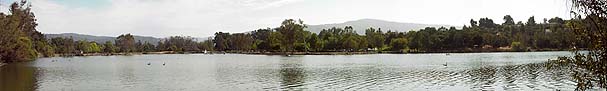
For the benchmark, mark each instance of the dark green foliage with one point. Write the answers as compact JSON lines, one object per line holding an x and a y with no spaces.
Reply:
{"x":262,"y":39}
{"x":108,"y":47}
{"x":293,"y":33}
{"x":591,"y":67}
{"x":63,"y":45}
{"x":241,"y":41}
{"x":221,"y":41}
{"x":375,"y":38}
{"x":148,"y":47}
{"x":508,"y":20}
{"x":19,"y":39}
{"x":179,"y":44}
{"x":485,"y":36}
{"x":399,"y":44}
{"x":206,"y":45}
{"x":125,"y":43}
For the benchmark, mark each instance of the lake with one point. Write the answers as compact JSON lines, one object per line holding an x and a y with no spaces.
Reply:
{"x":230,"y":72}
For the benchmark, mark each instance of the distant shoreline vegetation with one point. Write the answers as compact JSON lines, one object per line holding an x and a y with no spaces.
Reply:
{"x":291,"y":38}
{"x":22,"y":42}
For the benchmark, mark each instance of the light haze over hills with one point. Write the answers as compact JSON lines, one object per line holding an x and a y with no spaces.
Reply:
{"x":362,"y":24}
{"x":358,"y":25}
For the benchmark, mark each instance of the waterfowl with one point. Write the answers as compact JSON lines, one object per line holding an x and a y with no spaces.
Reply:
{"x":445,"y":64}
{"x":163,"y":63}
{"x":149,"y":63}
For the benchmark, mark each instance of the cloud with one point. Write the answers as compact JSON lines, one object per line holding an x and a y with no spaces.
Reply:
{"x":202,"y":18}
{"x":160,"y":18}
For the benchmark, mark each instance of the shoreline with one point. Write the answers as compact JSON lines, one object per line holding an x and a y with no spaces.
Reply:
{"x":373,"y":52}
{"x":292,"y":53}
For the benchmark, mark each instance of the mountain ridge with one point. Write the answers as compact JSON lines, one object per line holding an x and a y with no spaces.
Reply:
{"x":101,"y":39}
{"x":362,"y":24}
{"x":358,"y":25}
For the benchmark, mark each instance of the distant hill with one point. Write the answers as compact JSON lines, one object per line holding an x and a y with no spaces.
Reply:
{"x":360,"y":26}
{"x":100,"y":39}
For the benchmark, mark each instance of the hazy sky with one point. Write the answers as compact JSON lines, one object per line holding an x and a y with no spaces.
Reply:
{"x":202,"y":18}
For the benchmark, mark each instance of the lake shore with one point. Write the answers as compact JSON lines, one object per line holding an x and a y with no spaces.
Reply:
{"x":305,"y":53}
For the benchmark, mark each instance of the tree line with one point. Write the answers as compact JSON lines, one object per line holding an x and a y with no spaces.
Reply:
{"x":20,"y":41}
{"x":126,"y":44}
{"x":291,"y":36}
{"x":484,"y":34}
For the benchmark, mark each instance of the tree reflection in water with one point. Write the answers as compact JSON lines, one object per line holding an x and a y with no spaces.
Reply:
{"x":292,"y":74}
{"x":534,"y":76}
{"x":16,"y":77}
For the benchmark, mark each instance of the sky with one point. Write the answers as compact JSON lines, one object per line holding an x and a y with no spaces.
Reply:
{"x":202,"y":18}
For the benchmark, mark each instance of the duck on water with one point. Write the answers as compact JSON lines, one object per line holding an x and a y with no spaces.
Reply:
{"x":163,"y":63}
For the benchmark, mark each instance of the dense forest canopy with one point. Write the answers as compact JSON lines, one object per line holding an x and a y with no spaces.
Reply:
{"x":19,"y":39}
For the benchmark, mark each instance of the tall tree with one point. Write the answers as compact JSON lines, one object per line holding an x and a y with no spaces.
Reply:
{"x":18,"y":34}
{"x":473,"y":23}
{"x":221,"y":41}
{"x":375,"y":38}
{"x":531,"y":21}
{"x":292,"y":32}
{"x":399,"y":44}
{"x":241,"y":41}
{"x":125,"y":43}
{"x":486,"y":23}
{"x":207,"y":45}
{"x":508,"y":20}
{"x":108,"y":47}
{"x":262,"y":36}
{"x":592,"y":29}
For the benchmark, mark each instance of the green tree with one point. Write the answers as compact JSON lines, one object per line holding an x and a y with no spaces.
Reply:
{"x":221,"y":41}
{"x":241,"y":41}
{"x":24,"y":50}
{"x":531,"y":21}
{"x":517,"y":46}
{"x":94,"y":47}
{"x":592,"y":29}
{"x":292,"y":33}
{"x":148,"y":47}
{"x":375,"y":38}
{"x":109,"y":47}
{"x":83,"y":46}
{"x":206,"y":45}
{"x":473,"y":23}
{"x":399,"y":44}
{"x":486,"y":23}
{"x":316,"y":44}
{"x":180,"y":43}
{"x":63,"y":45}
{"x":125,"y":43}
{"x":18,"y":34}
{"x":262,"y":36}
{"x":508,"y":20}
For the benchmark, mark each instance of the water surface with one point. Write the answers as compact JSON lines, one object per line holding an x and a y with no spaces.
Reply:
{"x":200,"y":72}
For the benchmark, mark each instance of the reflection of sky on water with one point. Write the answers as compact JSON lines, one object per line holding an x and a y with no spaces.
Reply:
{"x":466,"y":71}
